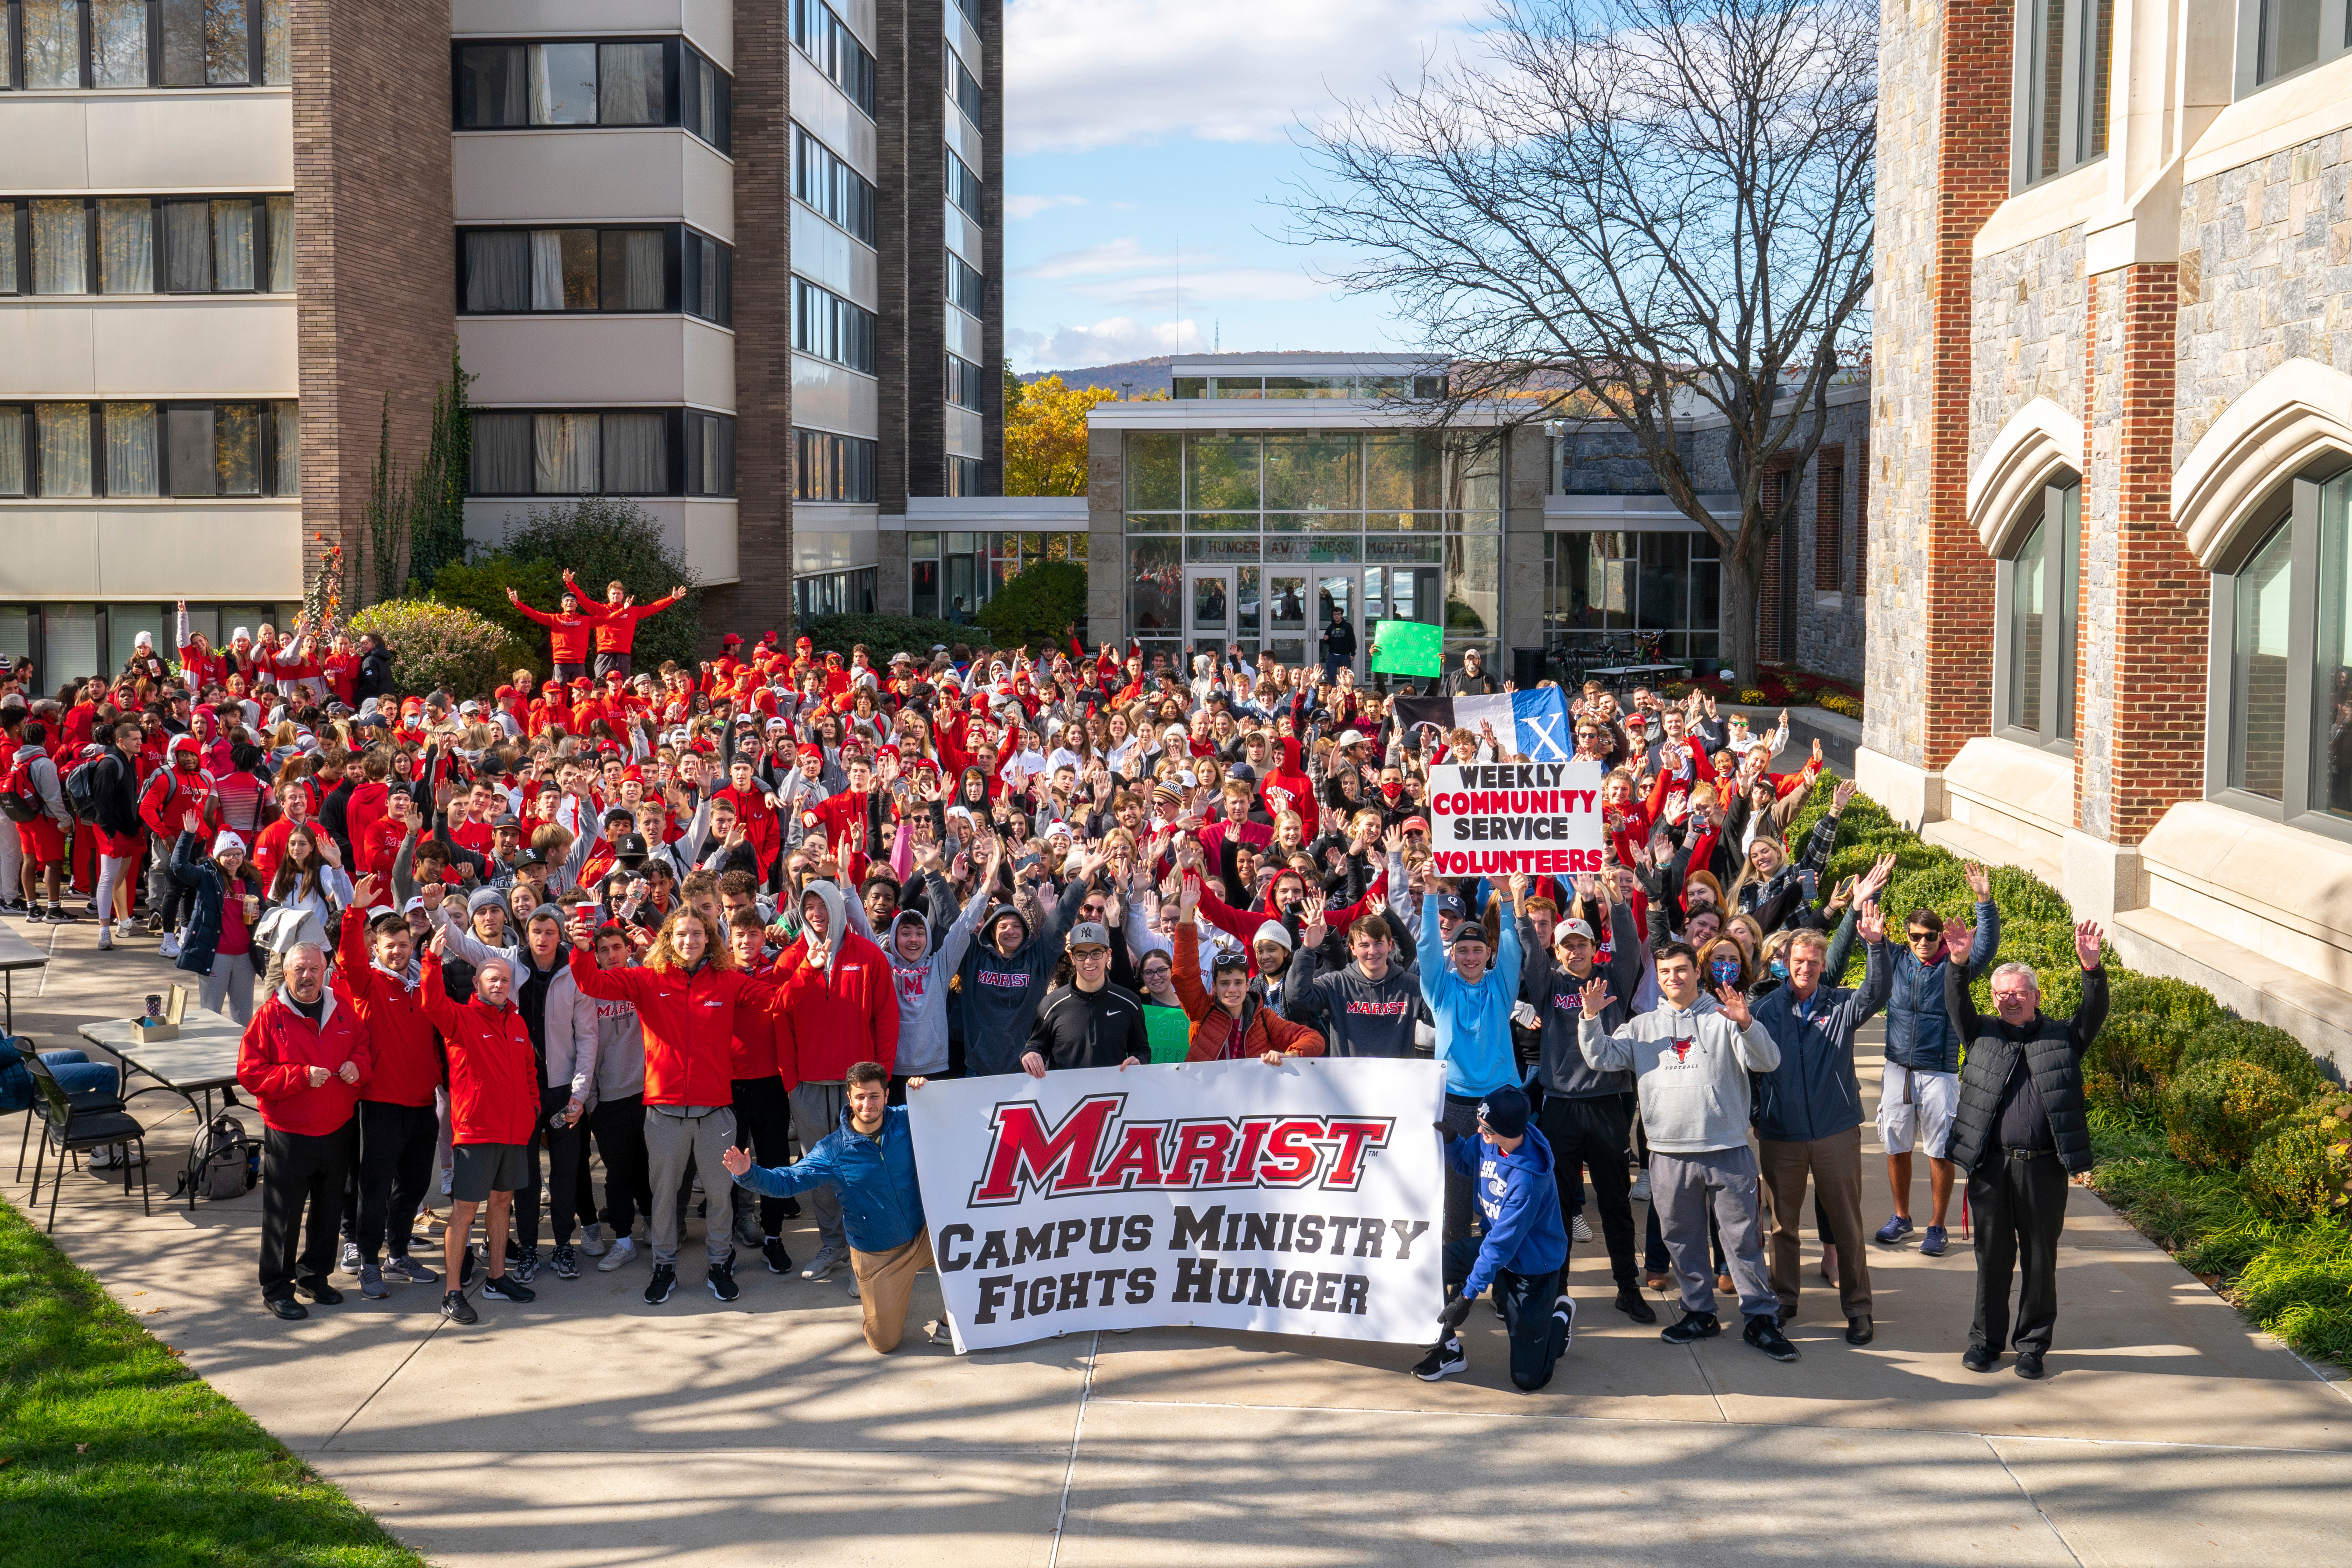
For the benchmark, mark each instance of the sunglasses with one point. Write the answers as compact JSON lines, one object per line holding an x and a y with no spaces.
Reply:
{"x":1918,"y":936}
{"x":1225,"y":960}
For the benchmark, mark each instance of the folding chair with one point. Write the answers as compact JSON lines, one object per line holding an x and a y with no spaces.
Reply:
{"x":72,"y":1127}
{"x":87,"y":1096}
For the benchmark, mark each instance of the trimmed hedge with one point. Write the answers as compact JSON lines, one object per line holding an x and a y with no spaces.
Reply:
{"x":2263,"y":1215}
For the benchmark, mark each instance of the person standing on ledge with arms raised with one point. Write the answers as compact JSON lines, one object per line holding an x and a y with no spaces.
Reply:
{"x":2020,"y":1133}
{"x":617,"y":622}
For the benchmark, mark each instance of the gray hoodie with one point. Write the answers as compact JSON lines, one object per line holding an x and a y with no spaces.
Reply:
{"x":923,"y":985}
{"x":1690,"y":1067}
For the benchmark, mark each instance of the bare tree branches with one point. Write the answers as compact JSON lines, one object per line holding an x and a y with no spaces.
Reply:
{"x":1643,"y":211}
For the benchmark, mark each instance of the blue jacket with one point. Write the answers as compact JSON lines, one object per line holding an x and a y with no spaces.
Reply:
{"x":1520,"y":1198}
{"x":1919,"y":1031}
{"x":1474,"y":1022}
{"x":200,"y":938}
{"x":1812,"y":1093}
{"x":881,"y":1205}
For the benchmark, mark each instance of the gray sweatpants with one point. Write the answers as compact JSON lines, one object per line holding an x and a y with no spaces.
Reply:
{"x":1682,"y":1188}
{"x":816,"y":1116}
{"x":673,"y":1134}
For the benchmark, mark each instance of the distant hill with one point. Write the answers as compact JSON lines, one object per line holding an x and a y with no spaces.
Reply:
{"x":1142,"y":377}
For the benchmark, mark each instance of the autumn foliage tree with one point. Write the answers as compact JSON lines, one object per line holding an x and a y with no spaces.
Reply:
{"x":1046,"y":436}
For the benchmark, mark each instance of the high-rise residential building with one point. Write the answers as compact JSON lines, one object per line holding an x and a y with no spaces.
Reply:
{"x":740,"y":263}
{"x":2111,"y":580}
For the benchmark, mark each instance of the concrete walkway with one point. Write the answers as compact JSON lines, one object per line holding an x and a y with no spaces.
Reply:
{"x":586,"y":1428}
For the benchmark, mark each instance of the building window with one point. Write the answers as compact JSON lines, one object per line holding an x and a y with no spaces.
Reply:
{"x":72,"y":451}
{"x":963,"y":188}
{"x":833,"y":593}
{"x":834,"y":49}
{"x":830,"y":328}
{"x":827,"y":466}
{"x":71,"y":43}
{"x":515,"y":271}
{"x":709,"y":453}
{"x":827,"y":186}
{"x":1828,"y":521}
{"x":964,"y":384}
{"x":621,"y":81}
{"x":1607,"y":593}
{"x":609,"y":451}
{"x":964,"y":284}
{"x":963,"y":88}
{"x":1384,"y":388}
{"x":125,"y":245}
{"x":2277,"y":39}
{"x":2280,"y":741}
{"x":963,"y":476}
{"x":2034,"y":597}
{"x":2061,"y":96}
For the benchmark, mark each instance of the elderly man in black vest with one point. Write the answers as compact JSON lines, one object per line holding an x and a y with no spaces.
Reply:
{"x":2018,"y":1134}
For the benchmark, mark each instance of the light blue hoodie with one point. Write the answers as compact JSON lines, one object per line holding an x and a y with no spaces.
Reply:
{"x":1474,"y":1022}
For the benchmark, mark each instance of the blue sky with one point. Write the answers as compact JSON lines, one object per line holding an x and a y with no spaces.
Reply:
{"x":1146,"y":141}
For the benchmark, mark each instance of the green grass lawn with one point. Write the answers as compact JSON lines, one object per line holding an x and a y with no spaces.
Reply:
{"x":111,"y":1452}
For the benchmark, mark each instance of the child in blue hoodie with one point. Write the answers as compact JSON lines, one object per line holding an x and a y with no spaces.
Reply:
{"x":1523,"y":1254}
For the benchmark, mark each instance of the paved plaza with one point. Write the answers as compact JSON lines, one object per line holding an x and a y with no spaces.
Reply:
{"x":587,"y":1428}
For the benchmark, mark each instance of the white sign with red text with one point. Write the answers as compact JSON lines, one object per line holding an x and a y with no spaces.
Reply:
{"x":1494,"y":818}
{"x":1299,"y":1199}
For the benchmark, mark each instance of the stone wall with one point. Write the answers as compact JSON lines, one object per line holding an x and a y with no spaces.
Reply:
{"x":2030,"y":306}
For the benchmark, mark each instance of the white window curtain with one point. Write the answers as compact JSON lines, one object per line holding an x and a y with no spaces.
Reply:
{"x":233,"y":246}
{"x":630,"y":87}
{"x":187,"y":248}
{"x":126,"y":247}
{"x":190,"y":433}
{"x":52,"y":42}
{"x":502,"y":455}
{"x":289,"y":447}
{"x":632,"y":270}
{"x":12,"y":451}
{"x":547,"y":269}
{"x":565,"y":451}
{"x":636,"y":455}
{"x":65,"y":448}
{"x":563,"y":84}
{"x":61,"y":248}
{"x":281,"y":244}
{"x":132,"y":468}
{"x":498,"y":271}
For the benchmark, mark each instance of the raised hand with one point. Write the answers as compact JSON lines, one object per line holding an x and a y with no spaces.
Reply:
{"x":1734,"y":1005}
{"x":1980,"y":879}
{"x":364,"y":892}
{"x":1595,"y":996}
{"x":1875,"y":881}
{"x":1842,"y":793}
{"x":1189,"y":900}
{"x":1518,"y":885}
{"x":1871,"y":924}
{"x":1393,"y":841}
{"x":2087,"y":937}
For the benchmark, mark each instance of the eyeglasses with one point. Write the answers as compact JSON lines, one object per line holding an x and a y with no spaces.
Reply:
{"x":1088,"y":955}
{"x":1920,"y":936}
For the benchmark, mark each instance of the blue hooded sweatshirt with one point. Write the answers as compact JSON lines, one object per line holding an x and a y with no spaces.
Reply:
{"x":1474,"y":1022}
{"x":1520,"y":1199}
{"x":881,"y":1205}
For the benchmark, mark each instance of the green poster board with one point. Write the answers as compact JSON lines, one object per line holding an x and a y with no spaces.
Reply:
{"x":1408,"y":647}
{"x":1170,"y":1032}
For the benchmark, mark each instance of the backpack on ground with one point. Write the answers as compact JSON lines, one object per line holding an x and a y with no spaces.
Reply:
{"x":226,"y":1159}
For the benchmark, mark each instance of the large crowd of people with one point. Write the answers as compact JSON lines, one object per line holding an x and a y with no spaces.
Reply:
{"x":559,"y":953}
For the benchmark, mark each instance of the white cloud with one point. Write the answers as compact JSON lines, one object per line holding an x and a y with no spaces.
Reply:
{"x":1081,"y":74}
{"x":1121,"y":254}
{"x":1020,"y":210}
{"x":1107,"y":341}
{"x":1166,"y":289}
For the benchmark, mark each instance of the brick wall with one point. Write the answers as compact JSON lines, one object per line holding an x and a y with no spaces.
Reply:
{"x":373,"y":264}
{"x":763,"y":363}
{"x":897,"y":288}
{"x":926,"y":185}
{"x":992,"y":173}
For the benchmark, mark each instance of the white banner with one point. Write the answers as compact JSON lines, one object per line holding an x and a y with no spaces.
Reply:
{"x":1491,"y":819}
{"x":1300,"y":1199}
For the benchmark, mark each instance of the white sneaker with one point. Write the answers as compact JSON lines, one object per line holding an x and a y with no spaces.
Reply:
{"x":854,"y":1294}
{"x":127,"y":928}
{"x":826,"y":1263}
{"x":171,"y":948}
{"x":106,"y":939}
{"x":1579,"y":1229}
{"x":624,"y":1253}
{"x":1640,"y":1191}
{"x":591,"y":1241}
{"x":446,"y":1177}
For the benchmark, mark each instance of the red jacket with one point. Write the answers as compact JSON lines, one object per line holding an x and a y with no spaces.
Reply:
{"x":763,"y":1042}
{"x":617,"y":630}
{"x":407,"y":1049}
{"x":169,"y":795}
{"x":690,"y":1020}
{"x":280,"y":1047}
{"x":840,"y":1016}
{"x":493,"y":1072}
{"x":567,"y":636}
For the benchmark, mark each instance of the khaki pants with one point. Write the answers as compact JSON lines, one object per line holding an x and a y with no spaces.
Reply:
{"x":1834,"y":1163}
{"x":884,"y":1281}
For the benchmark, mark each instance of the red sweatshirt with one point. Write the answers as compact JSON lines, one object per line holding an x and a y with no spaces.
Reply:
{"x":616,"y":625}
{"x":691,"y":1021}
{"x":493,"y":1070}
{"x":842,"y":1014}
{"x":408,"y":1051}
{"x":567,"y":636}
{"x":280,"y":1047}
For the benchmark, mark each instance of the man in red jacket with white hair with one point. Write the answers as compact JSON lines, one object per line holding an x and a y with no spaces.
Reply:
{"x":493,"y":1108}
{"x":303,"y":1058}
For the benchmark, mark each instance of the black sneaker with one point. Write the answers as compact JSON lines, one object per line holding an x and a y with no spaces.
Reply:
{"x":318,"y":1291}
{"x":1563,"y":1312}
{"x":1444,"y":1360}
{"x":1694,"y":1326}
{"x":779,"y":1260}
{"x":791,"y":1208}
{"x":722,"y":1281}
{"x":285,"y":1307}
{"x":565,"y":1265}
{"x":1634,"y":1305}
{"x":61,"y":916}
{"x":2029,"y":1365}
{"x":506,"y":1288}
{"x":466,"y":1268}
{"x":664,"y":1282}
{"x":457,"y":1310}
{"x":1980,"y":1358}
{"x":1764,"y":1333}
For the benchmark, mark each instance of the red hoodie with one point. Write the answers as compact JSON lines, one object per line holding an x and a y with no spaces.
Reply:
{"x":842,"y":1014}
{"x":408,"y":1051}
{"x":493,"y":1070}
{"x":1287,"y":787}
{"x":690,"y":1020}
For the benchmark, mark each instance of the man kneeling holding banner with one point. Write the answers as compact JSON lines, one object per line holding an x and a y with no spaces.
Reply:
{"x":1522,"y":1254}
{"x":870,"y":1163}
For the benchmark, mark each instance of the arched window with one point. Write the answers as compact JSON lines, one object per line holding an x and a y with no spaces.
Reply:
{"x":2035,"y":609}
{"x":2280,"y":738}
